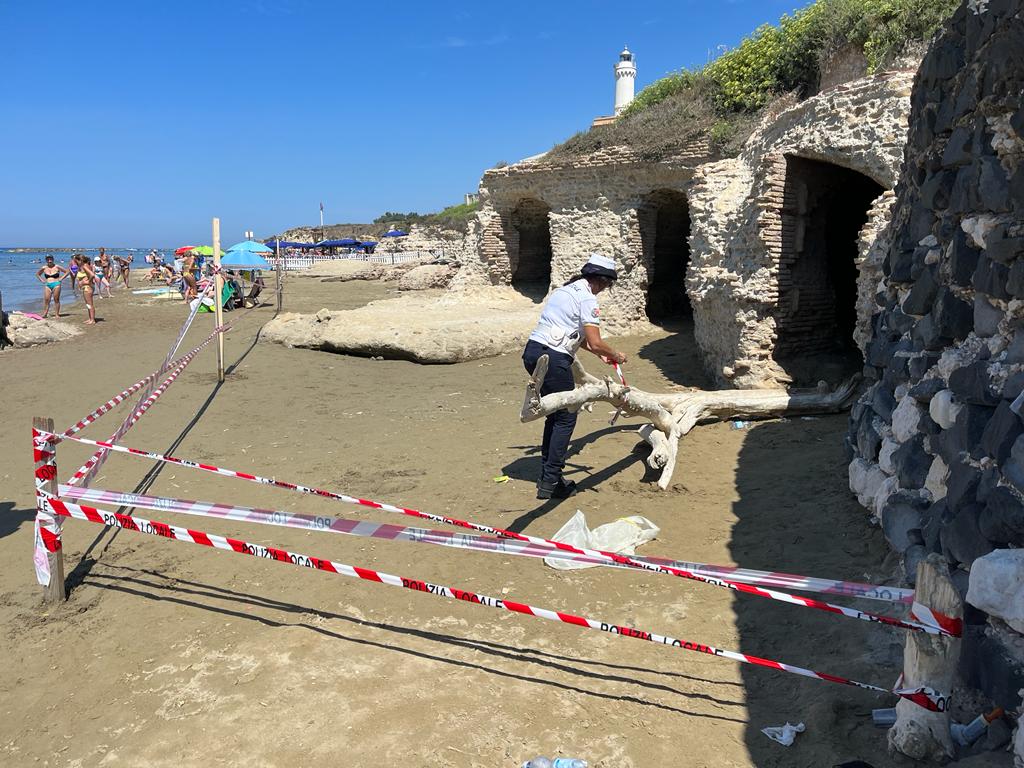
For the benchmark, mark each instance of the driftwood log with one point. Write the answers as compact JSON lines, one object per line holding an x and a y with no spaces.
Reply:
{"x":671,"y":416}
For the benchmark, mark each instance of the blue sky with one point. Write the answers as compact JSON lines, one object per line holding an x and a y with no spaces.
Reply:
{"x":134,"y":123}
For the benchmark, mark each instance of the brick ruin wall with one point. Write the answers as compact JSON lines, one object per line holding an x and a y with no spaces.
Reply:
{"x":596,"y":204}
{"x":745,"y":280}
{"x":749,"y":282}
{"x":937,"y":444}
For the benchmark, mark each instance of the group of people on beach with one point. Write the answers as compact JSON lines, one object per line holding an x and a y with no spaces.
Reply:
{"x":85,"y":274}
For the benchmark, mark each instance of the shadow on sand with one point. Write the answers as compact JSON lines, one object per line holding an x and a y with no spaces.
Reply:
{"x":795,"y":514}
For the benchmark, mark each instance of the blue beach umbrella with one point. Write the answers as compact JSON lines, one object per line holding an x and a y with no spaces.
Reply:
{"x":395,"y":233}
{"x":249,"y":246}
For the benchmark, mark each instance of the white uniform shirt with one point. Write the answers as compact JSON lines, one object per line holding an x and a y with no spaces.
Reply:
{"x":567,"y":310}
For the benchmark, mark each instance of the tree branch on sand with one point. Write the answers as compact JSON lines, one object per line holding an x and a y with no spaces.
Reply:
{"x":671,"y":416}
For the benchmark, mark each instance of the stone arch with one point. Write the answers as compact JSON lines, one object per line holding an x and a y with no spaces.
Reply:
{"x":528,"y":242}
{"x":664,"y":224}
{"x":824,"y":206}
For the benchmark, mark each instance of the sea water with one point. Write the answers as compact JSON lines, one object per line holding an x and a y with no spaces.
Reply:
{"x":18,"y":266}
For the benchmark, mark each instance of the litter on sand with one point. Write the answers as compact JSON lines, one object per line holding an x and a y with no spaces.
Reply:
{"x":501,"y":479}
{"x":784,"y":734}
{"x":621,"y":537}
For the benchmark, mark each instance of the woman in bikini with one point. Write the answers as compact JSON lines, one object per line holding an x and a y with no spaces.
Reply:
{"x":86,"y":276}
{"x":104,"y":272}
{"x":51,"y":275}
{"x":188,"y":276}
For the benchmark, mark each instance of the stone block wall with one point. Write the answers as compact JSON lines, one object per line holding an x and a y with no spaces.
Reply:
{"x":594,"y":204}
{"x":937,"y":441}
{"x":745,"y":213}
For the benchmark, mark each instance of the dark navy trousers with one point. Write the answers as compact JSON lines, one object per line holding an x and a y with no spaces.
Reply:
{"x":558,"y":426}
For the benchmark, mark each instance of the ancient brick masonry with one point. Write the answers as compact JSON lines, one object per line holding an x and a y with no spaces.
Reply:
{"x":753,"y":241}
{"x":938,"y":449}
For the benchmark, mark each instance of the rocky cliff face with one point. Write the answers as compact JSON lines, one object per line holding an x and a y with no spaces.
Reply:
{"x":937,"y":440}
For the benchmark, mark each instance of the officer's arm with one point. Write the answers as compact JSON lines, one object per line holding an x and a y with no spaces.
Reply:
{"x":594,"y":343}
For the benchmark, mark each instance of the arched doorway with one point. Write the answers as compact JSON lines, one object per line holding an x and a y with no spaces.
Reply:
{"x":824,"y":208}
{"x":664,"y":219}
{"x":529,"y":248}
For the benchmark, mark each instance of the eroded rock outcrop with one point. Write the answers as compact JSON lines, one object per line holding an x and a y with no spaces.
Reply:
{"x":451,"y":328}
{"x":27,"y":332}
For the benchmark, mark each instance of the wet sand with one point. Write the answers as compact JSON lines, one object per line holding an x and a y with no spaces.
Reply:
{"x":171,"y":654}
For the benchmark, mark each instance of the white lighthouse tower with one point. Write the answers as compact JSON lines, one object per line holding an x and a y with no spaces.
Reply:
{"x":625,"y":80}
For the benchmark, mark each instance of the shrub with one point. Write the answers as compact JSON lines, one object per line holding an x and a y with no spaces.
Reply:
{"x":723,"y":97}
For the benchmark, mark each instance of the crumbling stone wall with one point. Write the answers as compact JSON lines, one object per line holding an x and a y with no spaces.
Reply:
{"x":938,"y":446}
{"x":747,"y":223}
{"x":601,"y":203}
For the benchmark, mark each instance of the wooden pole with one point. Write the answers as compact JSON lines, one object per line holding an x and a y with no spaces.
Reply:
{"x":280,"y":277}
{"x":53,"y":593}
{"x":929,"y":660}
{"x":218,"y":287}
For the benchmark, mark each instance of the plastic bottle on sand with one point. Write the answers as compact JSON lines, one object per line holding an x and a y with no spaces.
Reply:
{"x":560,"y":762}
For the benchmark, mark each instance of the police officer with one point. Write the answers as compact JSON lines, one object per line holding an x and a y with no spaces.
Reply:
{"x":570,"y":320}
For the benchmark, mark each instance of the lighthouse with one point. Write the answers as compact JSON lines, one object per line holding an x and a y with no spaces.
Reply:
{"x":625,"y":80}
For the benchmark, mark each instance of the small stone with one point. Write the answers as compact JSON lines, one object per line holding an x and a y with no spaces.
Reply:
{"x":962,"y":540}
{"x":997,"y":585}
{"x":986,"y":317}
{"x":925,"y":390}
{"x":935,"y":482}
{"x":990,"y":277}
{"x":961,"y":485}
{"x":888,"y":487}
{"x":912,"y":463}
{"x":922,"y":295}
{"x":889,"y":447}
{"x":1002,"y":521}
{"x":971,"y":384}
{"x":905,"y":419}
{"x":899,"y":517}
{"x":953,"y":317}
{"x":1000,"y":433}
{"x":943,"y":408}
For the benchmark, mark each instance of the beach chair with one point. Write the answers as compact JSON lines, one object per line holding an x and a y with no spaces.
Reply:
{"x":225,"y":299}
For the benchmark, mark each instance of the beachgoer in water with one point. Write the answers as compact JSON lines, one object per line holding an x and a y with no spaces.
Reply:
{"x":124,"y":268}
{"x":86,"y":276}
{"x":51,"y":275}
{"x":569,"y":320}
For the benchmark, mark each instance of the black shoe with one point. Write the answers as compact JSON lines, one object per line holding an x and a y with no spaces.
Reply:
{"x":561,"y":490}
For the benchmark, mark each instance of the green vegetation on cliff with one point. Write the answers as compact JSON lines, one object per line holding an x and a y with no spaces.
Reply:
{"x":453,"y":217}
{"x":723,"y":99}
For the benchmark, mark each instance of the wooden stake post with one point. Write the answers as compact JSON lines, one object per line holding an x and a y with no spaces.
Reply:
{"x":929,"y":660}
{"x":218,"y":287}
{"x":53,"y":593}
{"x":280,"y":276}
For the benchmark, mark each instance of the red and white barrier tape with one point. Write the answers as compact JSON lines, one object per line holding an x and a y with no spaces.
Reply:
{"x":120,"y":398}
{"x":91,"y":467}
{"x":599,"y":554}
{"x":358,"y":528}
{"x":529,"y":549}
{"x":925,"y":697}
{"x":85,"y":473}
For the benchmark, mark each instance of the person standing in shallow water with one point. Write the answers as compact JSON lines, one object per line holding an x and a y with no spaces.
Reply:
{"x":570,"y":320}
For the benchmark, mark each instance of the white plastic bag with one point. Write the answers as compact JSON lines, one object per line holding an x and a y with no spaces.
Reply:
{"x":784,"y":734}
{"x":621,"y":537}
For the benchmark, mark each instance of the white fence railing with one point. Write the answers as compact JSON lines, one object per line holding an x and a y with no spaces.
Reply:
{"x":290,"y":263}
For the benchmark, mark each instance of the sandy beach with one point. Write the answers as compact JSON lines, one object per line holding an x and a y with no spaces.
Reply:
{"x":171,"y":654}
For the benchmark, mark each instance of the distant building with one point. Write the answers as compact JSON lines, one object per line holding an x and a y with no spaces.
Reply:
{"x":625,"y":87}
{"x":470,"y":197}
